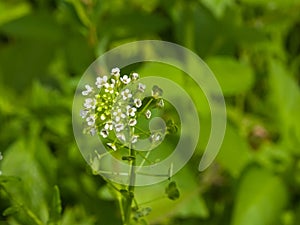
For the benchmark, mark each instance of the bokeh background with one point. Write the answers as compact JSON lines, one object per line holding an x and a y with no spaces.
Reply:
{"x":252,"y":46}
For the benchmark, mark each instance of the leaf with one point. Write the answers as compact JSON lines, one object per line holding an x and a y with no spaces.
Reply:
{"x":218,"y":7}
{"x":11,"y":12}
{"x":35,"y":26}
{"x":260,"y":199}
{"x":233,"y":76}
{"x":285,"y":99}
{"x":22,"y":159}
{"x":56,"y":208}
{"x":11,"y":210}
{"x":172,"y":191}
{"x":234,"y":154}
{"x":80,"y":11}
{"x":5,"y":179}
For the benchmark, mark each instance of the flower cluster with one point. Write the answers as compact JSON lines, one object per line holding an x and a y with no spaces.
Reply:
{"x":1,"y":157}
{"x":115,"y":103}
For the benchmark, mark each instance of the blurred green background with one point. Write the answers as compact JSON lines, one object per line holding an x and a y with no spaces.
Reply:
{"x":252,"y":46}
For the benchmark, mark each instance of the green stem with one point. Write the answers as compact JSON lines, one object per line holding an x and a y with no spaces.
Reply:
{"x":146,"y":106}
{"x":130,"y":196}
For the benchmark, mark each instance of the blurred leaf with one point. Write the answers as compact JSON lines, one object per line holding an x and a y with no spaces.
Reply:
{"x":106,"y":193}
{"x":77,"y":216}
{"x":285,"y":97}
{"x":22,"y":159}
{"x":29,"y":58}
{"x":233,"y":76}
{"x":234,"y":154}
{"x":5,"y":179}
{"x":133,"y":24}
{"x":56,"y":208}
{"x":81,"y":11}
{"x":11,"y":210}
{"x":11,"y":12}
{"x":260,"y":199}
{"x":35,"y":26}
{"x":218,"y":7}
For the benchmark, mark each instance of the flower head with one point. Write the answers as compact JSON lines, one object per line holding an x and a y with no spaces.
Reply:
{"x":111,"y":105}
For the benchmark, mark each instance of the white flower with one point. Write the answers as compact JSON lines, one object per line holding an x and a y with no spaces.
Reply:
{"x":93,"y":131}
{"x":102,"y":117}
{"x":104,"y":133}
{"x":132,"y":122}
{"x":126,"y":94}
{"x":118,"y":115}
{"x":135,"y":76}
{"x":108,"y":126}
{"x":161,"y":103}
{"x":90,"y":103}
{"x":83,"y":113}
{"x":88,"y":90}
{"x":156,"y":91}
{"x":155,"y":137}
{"x":109,"y":88}
{"x":141,"y":87}
{"x":134,"y":139}
{"x":131,"y":110}
{"x":148,"y":114}
{"x":121,"y":137}
{"x":125,"y":79}
{"x":112,"y":146}
{"x":101,"y":81}
{"x":119,"y":127}
{"x":91,"y":120}
{"x":137,"y":102}
{"x":115,"y":71}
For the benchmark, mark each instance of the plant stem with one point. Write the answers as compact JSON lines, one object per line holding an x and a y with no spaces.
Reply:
{"x":130,"y":197}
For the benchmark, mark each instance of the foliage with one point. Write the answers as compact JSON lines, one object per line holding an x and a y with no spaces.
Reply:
{"x":251,"y":45}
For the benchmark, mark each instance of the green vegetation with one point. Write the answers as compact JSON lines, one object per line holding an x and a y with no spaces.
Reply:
{"x":252,"y":46}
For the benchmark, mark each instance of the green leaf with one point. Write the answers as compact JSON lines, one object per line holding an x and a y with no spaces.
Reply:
{"x":11,"y":12}
{"x":11,"y":210}
{"x":218,"y":7}
{"x":35,"y":26}
{"x":5,"y":179}
{"x":172,"y":191}
{"x":234,"y":77}
{"x":260,"y":199}
{"x":285,"y":98}
{"x":56,"y":208}
{"x":234,"y":154}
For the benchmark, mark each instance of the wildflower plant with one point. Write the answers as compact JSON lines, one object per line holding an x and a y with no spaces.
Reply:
{"x":115,"y":109}
{"x":127,"y":120}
